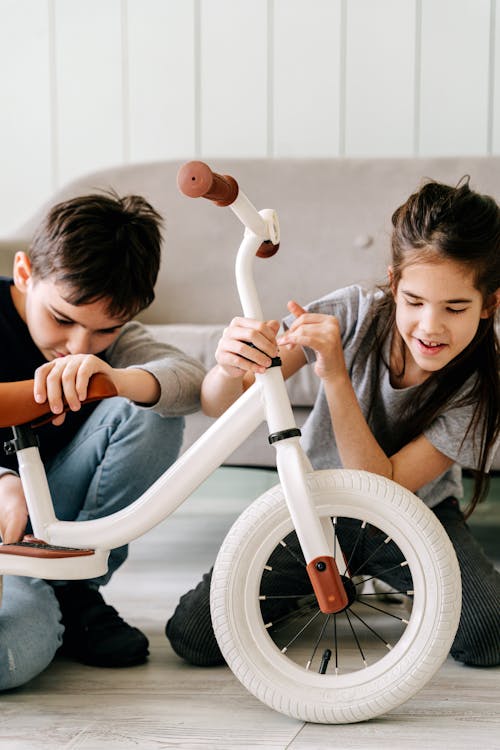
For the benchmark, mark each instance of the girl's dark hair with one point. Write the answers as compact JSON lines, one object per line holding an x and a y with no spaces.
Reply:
{"x":454,"y":223}
{"x":101,"y":247}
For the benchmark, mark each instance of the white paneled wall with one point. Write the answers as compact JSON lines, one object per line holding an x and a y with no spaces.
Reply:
{"x":233,"y":77}
{"x":27,"y":139}
{"x":494,"y":92}
{"x":160,"y":53}
{"x":455,"y":76}
{"x":305,"y":75}
{"x":89,"y":84}
{"x":380,"y":77}
{"x":86,"y":84}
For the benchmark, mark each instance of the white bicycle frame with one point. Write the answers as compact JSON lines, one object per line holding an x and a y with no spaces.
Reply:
{"x":266,"y":400}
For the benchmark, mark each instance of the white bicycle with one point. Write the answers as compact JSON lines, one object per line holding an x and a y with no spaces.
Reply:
{"x":296,"y":596}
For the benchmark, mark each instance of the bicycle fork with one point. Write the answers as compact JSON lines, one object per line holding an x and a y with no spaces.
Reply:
{"x":291,"y":461}
{"x":321,"y":551}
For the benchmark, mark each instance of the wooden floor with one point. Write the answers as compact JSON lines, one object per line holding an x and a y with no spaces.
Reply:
{"x":167,"y":704}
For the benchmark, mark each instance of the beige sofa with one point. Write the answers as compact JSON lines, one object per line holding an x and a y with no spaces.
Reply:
{"x":335,"y":224}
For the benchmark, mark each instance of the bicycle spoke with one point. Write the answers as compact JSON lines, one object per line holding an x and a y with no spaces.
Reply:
{"x":308,"y":623}
{"x":288,"y":618}
{"x":334,"y":523}
{"x":269,"y":597}
{"x":375,"y":551}
{"x":358,"y":644}
{"x":336,"y":644}
{"x":377,"y":635}
{"x":381,"y":573}
{"x":384,"y":611}
{"x":360,"y":534}
{"x":406,"y":592}
{"x":291,"y":552}
{"x":318,"y":641}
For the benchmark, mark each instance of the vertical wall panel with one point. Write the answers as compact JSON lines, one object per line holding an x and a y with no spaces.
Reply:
{"x":233,"y":78}
{"x":380,"y":77}
{"x":454,"y":77}
{"x":161,"y":79}
{"x":495,"y":104}
{"x":25,"y":136}
{"x":85,"y":85}
{"x":306,"y":78}
{"x":89,"y":85}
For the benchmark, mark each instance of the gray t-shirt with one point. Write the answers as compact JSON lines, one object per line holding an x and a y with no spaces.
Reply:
{"x":354,"y":308}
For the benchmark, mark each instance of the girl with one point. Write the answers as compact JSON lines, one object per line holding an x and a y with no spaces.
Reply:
{"x":409,"y":389}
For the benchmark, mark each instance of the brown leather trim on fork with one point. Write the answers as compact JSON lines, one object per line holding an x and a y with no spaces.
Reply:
{"x":327,"y":584}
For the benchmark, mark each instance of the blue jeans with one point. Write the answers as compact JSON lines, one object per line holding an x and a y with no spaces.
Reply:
{"x":115,"y":456}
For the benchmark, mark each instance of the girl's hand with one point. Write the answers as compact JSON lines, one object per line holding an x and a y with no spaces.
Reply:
{"x":13,"y":509}
{"x":321,"y":333}
{"x":67,"y":378}
{"x":247,"y":346}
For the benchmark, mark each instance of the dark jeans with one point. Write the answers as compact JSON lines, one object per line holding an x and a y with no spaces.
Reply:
{"x":476,"y":643}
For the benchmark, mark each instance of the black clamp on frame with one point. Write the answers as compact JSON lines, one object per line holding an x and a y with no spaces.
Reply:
{"x":275,"y":361}
{"x":23,"y":437}
{"x":275,"y":437}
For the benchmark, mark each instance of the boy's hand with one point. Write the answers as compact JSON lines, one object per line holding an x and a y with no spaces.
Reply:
{"x":320,"y":333}
{"x":13,"y":509}
{"x":247,"y":346}
{"x":67,"y":378}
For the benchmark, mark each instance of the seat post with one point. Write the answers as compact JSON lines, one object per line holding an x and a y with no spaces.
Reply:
{"x":23,"y":436}
{"x":33,"y":477}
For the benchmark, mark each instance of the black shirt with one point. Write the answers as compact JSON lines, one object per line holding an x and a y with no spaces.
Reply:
{"x":20,"y":358}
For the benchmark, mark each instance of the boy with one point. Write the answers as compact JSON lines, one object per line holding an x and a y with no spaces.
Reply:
{"x":64,"y":316}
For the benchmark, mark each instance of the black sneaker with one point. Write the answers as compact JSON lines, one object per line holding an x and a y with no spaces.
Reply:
{"x":94,"y":632}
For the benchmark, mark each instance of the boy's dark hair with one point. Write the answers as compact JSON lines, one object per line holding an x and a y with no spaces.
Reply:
{"x":101,"y":247}
{"x":441,"y":222}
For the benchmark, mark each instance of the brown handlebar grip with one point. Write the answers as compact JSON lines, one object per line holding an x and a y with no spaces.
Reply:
{"x":196,"y":180}
{"x":17,"y":405}
{"x":99,"y":387}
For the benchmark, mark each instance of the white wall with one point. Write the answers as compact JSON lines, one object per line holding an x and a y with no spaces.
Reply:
{"x":86,"y":84}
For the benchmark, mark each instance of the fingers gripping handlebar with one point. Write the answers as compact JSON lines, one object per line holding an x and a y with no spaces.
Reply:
{"x":18,"y":406}
{"x":196,"y":180}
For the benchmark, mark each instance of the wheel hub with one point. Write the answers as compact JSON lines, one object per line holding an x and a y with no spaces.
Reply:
{"x":350,"y":590}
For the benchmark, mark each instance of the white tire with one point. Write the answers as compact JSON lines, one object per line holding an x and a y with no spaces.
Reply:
{"x":359,"y":686}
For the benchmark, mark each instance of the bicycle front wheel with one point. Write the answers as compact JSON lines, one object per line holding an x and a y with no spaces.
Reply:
{"x":403,"y":584}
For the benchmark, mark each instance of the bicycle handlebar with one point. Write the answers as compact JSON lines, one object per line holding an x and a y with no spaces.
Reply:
{"x":196,"y":180}
{"x":17,"y":405}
